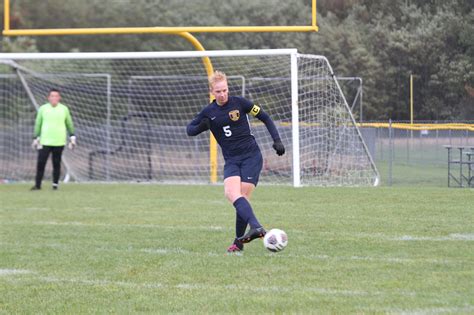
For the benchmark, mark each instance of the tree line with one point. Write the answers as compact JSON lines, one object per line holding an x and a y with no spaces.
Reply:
{"x":382,"y":41}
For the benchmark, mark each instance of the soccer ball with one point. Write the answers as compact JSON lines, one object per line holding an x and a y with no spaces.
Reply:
{"x":275,"y":240}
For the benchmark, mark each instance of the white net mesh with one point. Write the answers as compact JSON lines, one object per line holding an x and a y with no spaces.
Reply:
{"x":131,"y":113}
{"x":16,"y":121}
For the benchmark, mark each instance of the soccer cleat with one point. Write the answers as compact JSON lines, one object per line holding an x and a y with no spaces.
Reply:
{"x":233,"y":248}
{"x":237,"y":246}
{"x":252,"y":234}
{"x":35,"y":188}
{"x":55,"y":186}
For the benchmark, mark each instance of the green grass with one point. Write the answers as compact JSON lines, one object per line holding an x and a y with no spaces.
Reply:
{"x":159,"y":249}
{"x":422,"y":163}
{"x":415,"y":174}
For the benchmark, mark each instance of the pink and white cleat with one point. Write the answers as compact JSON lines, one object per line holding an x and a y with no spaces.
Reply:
{"x":235,"y":247}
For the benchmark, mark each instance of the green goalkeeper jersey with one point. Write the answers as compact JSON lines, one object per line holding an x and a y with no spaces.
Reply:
{"x":52,"y":123}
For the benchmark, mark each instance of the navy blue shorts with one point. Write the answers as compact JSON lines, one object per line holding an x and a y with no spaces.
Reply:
{"x":248,"y":167}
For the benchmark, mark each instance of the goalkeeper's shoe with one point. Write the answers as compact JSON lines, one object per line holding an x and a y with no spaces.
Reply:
{"x":252,"y":234}
{"x":35,"y":188}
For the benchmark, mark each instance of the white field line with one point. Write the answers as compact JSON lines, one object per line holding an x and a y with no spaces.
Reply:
{"x":35,"y":209}
{"x":97,"y":282}
{"x":450,"y":237}
{"x":351,"y":218}
{"x":395,"y":260}
{"x":181,"y":251}
{"x":462,"y":237}
{"x":165,"y":251}
{"x":35,"y":245}
{"x":212,"y":287}
{"x":465,"y":309}
{"x":284,"y":255}
{"x":8,"y":272}
{"x":120,"y":225}
{"x":390,"y":260}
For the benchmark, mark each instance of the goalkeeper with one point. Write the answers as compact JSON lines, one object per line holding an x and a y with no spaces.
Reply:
{"x":227,"y":119}
{"x":52,"y":121}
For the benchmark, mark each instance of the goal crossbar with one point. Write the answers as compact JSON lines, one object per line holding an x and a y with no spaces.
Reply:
{"x":147,"y":55}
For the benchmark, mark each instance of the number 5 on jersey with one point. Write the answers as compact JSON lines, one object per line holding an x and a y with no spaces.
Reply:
{"x":227,"y":131}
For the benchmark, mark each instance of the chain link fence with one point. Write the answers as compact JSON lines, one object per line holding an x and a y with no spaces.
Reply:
{"x":414,"y":155}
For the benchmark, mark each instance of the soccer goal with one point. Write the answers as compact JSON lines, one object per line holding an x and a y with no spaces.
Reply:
{"x":131,"y":109}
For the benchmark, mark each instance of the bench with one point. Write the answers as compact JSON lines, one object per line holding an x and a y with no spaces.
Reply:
{"x":465,"y":160}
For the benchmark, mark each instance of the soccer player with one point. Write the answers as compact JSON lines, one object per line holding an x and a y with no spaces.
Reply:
{"x":227,"y":119}
{"x":52,"y":121}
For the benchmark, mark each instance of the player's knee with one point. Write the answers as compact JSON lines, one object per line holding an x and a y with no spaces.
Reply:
{"x":247,"y":194}
{"x":247,"y":190}
{"x":229,"y":195}
{"x":232,"y":195}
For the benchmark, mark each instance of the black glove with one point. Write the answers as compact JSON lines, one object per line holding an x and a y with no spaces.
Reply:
{"x":205,"y":124}
{"x":279,"y":147}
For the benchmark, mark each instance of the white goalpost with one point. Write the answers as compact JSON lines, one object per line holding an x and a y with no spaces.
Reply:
{"x":131,"y":109}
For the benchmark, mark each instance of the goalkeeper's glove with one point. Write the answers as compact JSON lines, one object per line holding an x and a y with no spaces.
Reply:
{"x":72,"y":142}
{"x":279,"y":147}
{"x":205,"y":124}
{"x":36,"y":145}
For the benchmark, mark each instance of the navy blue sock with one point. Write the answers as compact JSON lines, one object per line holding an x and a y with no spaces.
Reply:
{"x":244,"y":210}
{"x":240,"y":225}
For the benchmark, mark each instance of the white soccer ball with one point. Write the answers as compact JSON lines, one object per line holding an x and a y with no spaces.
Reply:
{"x":275,"y":240}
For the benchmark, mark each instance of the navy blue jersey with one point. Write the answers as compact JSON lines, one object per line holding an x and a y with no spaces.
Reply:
{"x":230,"y":125}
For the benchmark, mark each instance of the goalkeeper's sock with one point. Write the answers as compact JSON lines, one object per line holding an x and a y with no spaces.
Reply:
{"x":244,"y":210}
{"x":240,"y":225}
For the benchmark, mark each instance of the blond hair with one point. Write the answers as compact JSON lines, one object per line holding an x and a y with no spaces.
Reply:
{"x":217,"y":76}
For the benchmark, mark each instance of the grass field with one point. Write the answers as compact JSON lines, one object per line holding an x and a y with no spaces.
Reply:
{"x":404,"y":175}
{"x":157,"y":249}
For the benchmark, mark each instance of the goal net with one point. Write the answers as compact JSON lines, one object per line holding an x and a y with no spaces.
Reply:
{"x":130,"y":111}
